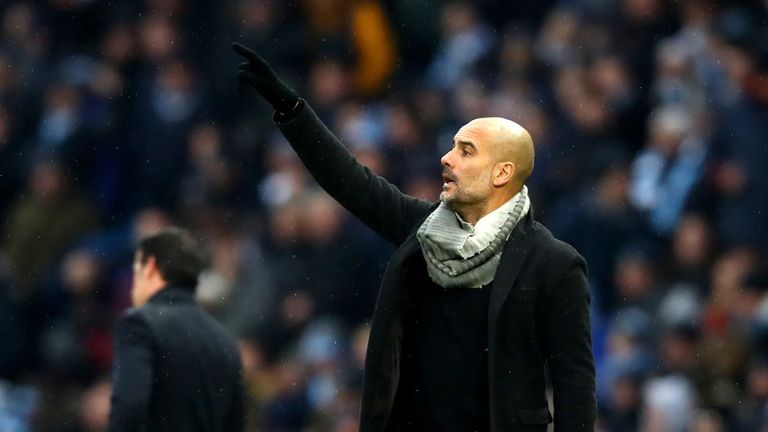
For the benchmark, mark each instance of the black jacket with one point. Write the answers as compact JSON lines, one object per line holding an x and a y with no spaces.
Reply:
{"x":175,"y":369}
{"x":538,"y":315}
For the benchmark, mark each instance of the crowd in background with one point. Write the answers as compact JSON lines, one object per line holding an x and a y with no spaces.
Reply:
{"x":650,"y":121}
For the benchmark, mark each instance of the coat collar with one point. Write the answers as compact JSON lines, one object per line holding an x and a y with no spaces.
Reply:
{"x":173,"y":294}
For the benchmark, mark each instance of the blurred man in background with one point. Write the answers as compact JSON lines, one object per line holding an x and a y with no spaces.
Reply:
{"x":175,"y":367}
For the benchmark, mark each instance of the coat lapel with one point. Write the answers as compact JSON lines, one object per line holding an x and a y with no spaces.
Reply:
{"x":409,"y":247}
{"x":382,"y":370}
{"x":515,"y":253}
{"x":390,"y":302}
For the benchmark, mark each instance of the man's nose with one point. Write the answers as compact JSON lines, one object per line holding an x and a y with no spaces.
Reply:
{"x":445,"y":160}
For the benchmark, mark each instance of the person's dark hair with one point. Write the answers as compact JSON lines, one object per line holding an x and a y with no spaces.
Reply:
{"x":179,"y":257}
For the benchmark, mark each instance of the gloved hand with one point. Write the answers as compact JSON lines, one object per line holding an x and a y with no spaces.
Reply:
{"x":257,"y":74}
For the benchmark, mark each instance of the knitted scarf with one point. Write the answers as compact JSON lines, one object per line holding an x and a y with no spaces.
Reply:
{"x":459,"y":255}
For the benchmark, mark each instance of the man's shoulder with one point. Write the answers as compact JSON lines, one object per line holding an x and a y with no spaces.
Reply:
{"x":550,"y":257}
{"x":165,"y":320}
{"x":550,"y":246}
{"x":158,"y":313}
{"x":133,"y":328}
{"x":154,"y":315}
{"x":136,"y":318}
{"x":133,"y":315}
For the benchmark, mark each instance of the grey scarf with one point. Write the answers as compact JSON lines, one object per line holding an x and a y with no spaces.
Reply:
{"x":460,"y":255}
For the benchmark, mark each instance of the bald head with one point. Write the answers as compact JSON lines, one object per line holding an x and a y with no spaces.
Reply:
{"x":509,"y":142}
{"x":489,"y":163}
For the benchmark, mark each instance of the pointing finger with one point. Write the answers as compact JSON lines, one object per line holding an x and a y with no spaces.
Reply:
{"x":246,"y":52}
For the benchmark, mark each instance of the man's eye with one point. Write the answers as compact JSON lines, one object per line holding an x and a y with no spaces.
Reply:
{"x":464,"y":153}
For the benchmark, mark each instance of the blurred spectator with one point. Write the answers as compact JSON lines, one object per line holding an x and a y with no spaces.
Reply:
{"x":288,"y":409}
{"x":258,"y":380}
{"x":635,"y":279}
{"x":211,"y":178}
{"x":239,"y":287}
{"x":557,"y":37}
{"x":728,"y":274}
{"x":42,"y":223}
{"x":320,"y":350}
{"x":708,"y":421}
{"x":665,"y":173}
{"x":669,"y":404}
{"x":170,"y":102}
{"x":329,"y":85}
{"x":617,"y":86}
{"x":628,"y":353}
{"x":465,"y":41}
{"x":752,"y":416}
{"x":738,"y":179}
{"x":60,"y":119}
{"x":94,"y":410}
{"x":78,"y":317}
{"x":693,"y":246}
{"x":622,"y":412}
{"x":25,"y":40}
{"x":727,"y":342}
{"x":357,"y":29}
{"x":406,"y":149}
{"x":640,"y":25}
{"x":17,"y":406}
{"x":598,"y":221}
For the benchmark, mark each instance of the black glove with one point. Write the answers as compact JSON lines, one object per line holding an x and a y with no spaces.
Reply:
{"x":257,"y":74}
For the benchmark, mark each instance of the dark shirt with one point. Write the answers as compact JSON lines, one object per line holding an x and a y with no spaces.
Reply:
{"x":445,"y":356}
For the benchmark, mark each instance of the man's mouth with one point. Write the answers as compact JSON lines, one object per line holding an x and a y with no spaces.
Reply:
{"x":448,"y":180}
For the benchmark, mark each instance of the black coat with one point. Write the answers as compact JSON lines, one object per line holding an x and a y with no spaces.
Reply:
{"x":538,"y":316}
{"x":175,"y":369}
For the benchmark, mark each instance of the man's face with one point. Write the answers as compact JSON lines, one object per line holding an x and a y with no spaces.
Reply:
{"x":140,"y":286}
{"x":468,"y":168}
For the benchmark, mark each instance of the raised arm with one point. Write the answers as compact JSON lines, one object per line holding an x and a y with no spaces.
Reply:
{"x":372,"y":199}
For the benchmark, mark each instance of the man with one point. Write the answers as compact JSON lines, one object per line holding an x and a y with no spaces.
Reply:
{"x":478,"y":299}
{"x":176,"y":368}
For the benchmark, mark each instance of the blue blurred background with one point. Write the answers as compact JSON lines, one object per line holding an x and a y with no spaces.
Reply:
{"x":650,"y":120}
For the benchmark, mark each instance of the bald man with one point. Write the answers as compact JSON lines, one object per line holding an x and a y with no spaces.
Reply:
{"x":478,"y":301}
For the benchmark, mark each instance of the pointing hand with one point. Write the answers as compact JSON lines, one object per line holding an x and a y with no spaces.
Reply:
{"x":257,"y":73}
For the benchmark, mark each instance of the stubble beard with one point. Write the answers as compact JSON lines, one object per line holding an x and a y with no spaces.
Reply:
{"x":461,"y":199}
{"x":467,"y":199}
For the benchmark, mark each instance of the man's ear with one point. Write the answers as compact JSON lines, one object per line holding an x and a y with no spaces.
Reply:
{"x":503,"y":173}
{"x":150,"y":266}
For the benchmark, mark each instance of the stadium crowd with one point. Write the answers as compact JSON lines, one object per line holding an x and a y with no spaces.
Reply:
{"x":650,"y":120}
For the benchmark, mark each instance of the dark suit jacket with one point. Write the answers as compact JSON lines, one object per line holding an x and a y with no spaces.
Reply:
{"x":175,"y":369}
{"x":538,"y":314}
